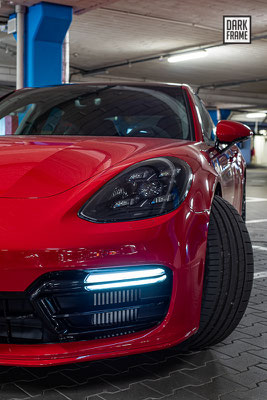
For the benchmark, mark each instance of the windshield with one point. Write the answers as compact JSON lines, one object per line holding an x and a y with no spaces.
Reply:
{"x":85,"y":110}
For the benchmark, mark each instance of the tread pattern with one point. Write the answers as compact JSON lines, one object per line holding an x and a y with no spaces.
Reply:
{"x":244,"y":205}
{"x":228,"y":275}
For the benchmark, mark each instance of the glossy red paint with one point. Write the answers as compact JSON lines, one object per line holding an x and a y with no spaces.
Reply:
{"x":230,"y":131}
{"x":44,"y":182}
{"x":46,"y":166}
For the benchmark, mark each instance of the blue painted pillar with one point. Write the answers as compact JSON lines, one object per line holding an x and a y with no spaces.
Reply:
{"x":46,"y":26}
{"x":225,"y":113}
{"x":215,"y":116}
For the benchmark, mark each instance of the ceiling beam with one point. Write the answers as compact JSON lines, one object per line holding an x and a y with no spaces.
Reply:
{"x":79,"y":6}
{"x":5,"y":10}
{"x":232,"y":99}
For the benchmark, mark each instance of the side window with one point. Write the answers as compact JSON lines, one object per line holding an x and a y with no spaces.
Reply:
{"x":205,"y":120}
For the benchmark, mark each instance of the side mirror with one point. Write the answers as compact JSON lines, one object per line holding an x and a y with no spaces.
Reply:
{"x":231,"y":131}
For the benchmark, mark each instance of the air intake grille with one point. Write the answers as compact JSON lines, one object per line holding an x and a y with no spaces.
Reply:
{"x":115,"y":317}
{"x":58,"y":308}
{"x":115,"y":297}
{"x":19,"y":322}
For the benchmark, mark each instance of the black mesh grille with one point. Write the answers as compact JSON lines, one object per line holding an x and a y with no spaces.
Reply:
{"x":19,"y":322}
{"x":58,"y":308}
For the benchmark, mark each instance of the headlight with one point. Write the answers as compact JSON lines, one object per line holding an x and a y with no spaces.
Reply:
{"x":148,"y":189}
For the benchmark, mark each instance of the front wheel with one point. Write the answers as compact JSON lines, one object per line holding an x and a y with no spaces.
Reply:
{"x":244,"y":212}
{"x":228,"y":276}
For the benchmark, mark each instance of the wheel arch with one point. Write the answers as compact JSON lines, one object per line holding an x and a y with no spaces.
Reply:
{"x":218,"y":190}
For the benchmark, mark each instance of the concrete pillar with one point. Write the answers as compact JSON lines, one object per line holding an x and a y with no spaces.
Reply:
{"x":215,"y":116}
{"x":224,"y":113}
{"x":45,"y":28}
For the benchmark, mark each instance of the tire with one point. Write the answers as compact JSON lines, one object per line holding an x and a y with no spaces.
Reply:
{"x":244,"y":206}
{"x":228,"y":276}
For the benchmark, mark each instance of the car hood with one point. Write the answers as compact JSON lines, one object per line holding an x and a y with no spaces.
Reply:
{"x":34,"y":167}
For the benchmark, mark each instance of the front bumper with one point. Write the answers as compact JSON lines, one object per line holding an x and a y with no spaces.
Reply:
{"x":61,"y":307}
{"x":176,"y":240}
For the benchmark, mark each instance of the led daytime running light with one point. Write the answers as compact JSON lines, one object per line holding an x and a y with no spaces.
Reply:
{"x":113,"y":285}
{"x":110,"y":280}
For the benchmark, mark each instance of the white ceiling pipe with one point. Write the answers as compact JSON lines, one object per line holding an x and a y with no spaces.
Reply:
{"x":20,"y":11}
{"x":66,"y":59}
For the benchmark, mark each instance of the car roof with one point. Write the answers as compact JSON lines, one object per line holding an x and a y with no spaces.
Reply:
{"x":128,"y":83}
{"x":114,"y":83}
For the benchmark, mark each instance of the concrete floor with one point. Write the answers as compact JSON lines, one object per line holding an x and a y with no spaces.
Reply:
{"x":235,"y":369}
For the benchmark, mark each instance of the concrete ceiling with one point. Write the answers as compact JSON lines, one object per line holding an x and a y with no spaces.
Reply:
{"x":79,"y":6}
{"x":122,"y":32}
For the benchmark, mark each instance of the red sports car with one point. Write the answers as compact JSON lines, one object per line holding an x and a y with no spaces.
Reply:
{"x":120,"y":223}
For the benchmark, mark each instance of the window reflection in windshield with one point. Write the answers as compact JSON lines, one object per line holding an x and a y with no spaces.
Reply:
{"x":125,"y":111}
